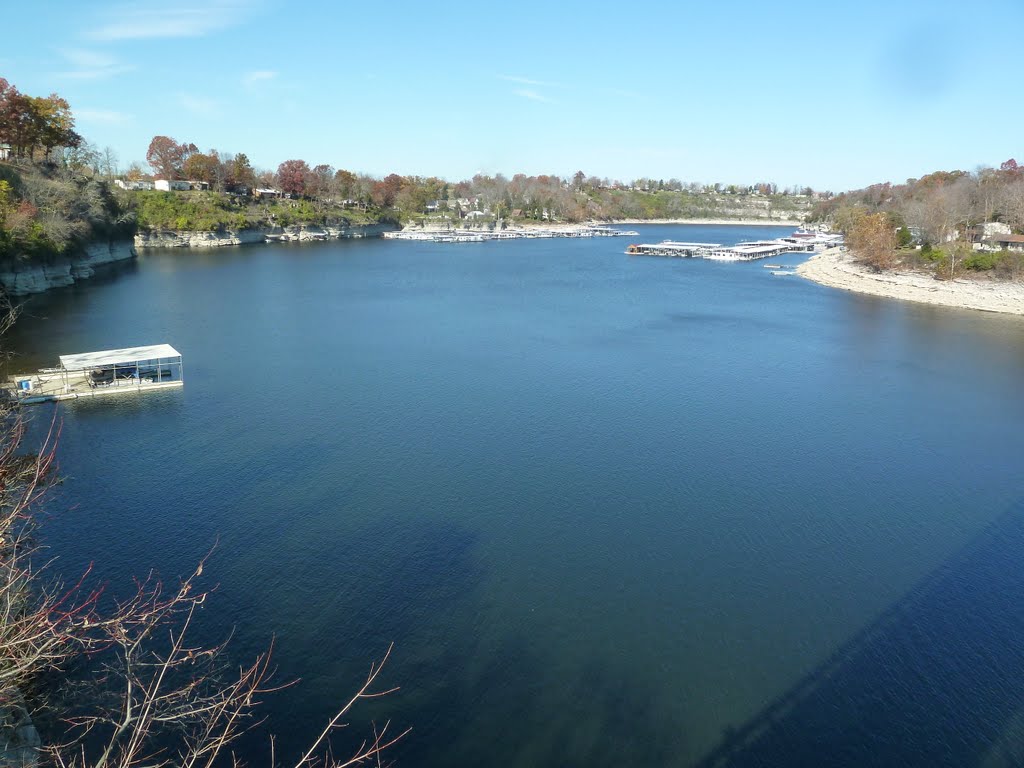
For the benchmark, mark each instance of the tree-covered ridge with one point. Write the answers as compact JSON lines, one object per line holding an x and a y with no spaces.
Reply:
{"x":208,"y":211}
{"x":949,"y":221}
{"x":546,"y":197}
{"x":49,"y":211}
{"x":51,"y":202}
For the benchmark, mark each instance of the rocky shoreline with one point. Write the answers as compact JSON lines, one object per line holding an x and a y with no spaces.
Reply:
{"x":26,"y":279}
{"x":299,"y":233}
{"x":30,"y":278}
{"x":749,"y":222}
{"x":837,"y":269}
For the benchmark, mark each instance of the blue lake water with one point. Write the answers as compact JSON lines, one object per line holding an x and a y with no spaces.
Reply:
{"x":610,"y":510}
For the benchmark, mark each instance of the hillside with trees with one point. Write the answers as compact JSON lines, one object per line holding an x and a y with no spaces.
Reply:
{"x":952,"y":223}
{"x":51,"y":199}
{"x":58,"y":192}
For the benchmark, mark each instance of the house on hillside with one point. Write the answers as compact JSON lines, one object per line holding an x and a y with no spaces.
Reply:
{"x":198,"y":186}
{"x":171,"y":185}
{"x":1009,"y":242}
{"x":985,"y":236}
{"x":261,"y":192}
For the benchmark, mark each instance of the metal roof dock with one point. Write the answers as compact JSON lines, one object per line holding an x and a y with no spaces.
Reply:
{"x":107,"y":372}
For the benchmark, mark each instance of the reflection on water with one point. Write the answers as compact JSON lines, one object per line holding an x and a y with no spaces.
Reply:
{"x":609,"y":509}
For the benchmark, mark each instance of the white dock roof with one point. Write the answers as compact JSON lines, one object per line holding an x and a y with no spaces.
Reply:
{"x":85,"y":360}
{"x":691,"y":245}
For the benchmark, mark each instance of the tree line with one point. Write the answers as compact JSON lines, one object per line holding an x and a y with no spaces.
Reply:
{"x":541,"y":197}
{"x":944,"y":220}
{"x":53,"y":195}
{"x":33,"y":125}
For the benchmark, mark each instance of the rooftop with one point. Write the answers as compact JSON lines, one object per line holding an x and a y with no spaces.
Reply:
{"x":84,"y":360}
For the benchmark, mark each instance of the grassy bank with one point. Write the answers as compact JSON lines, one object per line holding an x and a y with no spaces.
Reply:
{"x":214,"y":211}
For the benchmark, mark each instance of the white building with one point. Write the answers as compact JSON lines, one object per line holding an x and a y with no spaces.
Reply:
{"x":133,"y":185}
{"x":168,"y":185}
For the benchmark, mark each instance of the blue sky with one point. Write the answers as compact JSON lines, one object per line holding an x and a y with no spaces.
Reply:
{"x":832,"y":95}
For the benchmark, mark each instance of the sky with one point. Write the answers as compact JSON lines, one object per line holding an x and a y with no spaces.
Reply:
{"x":834,"y":96}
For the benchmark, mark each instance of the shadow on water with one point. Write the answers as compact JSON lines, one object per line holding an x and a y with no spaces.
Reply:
{"x":475,"y":693}
{"x":400,"y":581}
{"x":937,"y":680}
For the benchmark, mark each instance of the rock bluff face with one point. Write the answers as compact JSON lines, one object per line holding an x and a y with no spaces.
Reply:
{"x":22,"y":280}
{"x":300,"y":233}
{"x":25,"y":279}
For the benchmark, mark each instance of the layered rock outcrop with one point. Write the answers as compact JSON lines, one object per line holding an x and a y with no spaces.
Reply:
{"x":19,"y":279}
{"x":298,"y":233}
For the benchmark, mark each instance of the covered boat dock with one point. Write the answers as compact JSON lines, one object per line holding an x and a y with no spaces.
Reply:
{"x":108,"y":372}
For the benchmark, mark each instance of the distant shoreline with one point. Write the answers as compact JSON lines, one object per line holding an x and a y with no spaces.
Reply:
{"x":837,"y":269}
{"x":434,"y":227}
{"x":715,"y":222}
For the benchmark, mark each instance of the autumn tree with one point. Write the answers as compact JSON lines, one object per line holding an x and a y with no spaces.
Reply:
{"x":54,"y":123}
{"x":167,"y":157}
{"x":7,"y":113}
{"x":203,"y":167}
{"x":240,"y":172}
{"x":344,"y":184}
{"x":320,"y":180}
{"x":134,"y":172}
{"x":31,"y":122}
{"x":386,"y":190}
{"x":873,"y":240}
{"x":294,"y":177}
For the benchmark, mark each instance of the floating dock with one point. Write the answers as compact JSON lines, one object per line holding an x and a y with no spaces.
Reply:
{"x":480,"y":236}
{"x":95,"y":374}
{"x":749,"y":251}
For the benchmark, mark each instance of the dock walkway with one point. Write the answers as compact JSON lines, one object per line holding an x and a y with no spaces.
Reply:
{"x":96,"y":374}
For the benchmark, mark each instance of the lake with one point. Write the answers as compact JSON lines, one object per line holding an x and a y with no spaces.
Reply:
{"x":611,"y":510}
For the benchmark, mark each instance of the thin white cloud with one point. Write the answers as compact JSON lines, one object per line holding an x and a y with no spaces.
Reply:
{"x":532,"y":95}
{"x":91,"y":65}
{"x":199,"y":106}
{"x":528,"y":81}
{"x":253,"y":79}
{"x":149,"y":20}
{"x":105,"y":116}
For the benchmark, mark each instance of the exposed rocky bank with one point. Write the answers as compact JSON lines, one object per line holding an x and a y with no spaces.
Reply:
{"x":298,"y":233}
{"x":28,"y":278}
{"x":838,"y":269}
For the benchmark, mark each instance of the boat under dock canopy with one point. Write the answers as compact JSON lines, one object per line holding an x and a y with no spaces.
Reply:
{"x":107,"y":372}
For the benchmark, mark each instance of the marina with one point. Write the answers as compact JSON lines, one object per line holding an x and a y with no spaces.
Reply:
{"x":512,"y":233}
{"x":94,"y":374}
{"x":800,"y":242}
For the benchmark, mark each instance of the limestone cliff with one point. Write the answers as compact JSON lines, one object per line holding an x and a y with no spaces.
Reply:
{"x":299,"y":233}
{"x":19,"y":279}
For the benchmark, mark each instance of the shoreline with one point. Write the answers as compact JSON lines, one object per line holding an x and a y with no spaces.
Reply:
{"x":836,"y":269}
{"x":565,"y":226}
{"x":715,"y":222}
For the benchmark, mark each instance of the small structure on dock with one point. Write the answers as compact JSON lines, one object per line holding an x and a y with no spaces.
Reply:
{"x":112,"y":371}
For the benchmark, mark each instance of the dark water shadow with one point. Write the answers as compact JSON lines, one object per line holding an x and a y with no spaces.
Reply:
{"x":937,"y":680}
{"x":473,"y":694}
